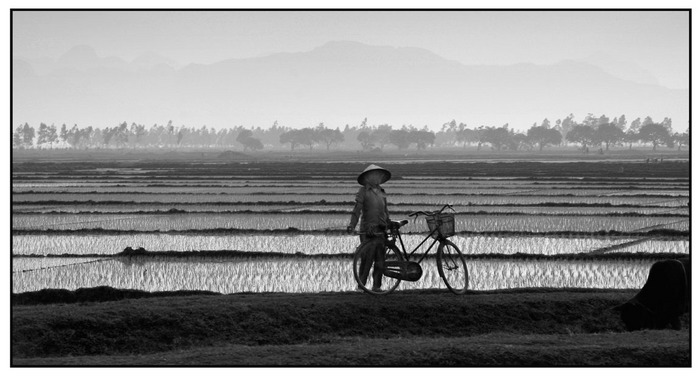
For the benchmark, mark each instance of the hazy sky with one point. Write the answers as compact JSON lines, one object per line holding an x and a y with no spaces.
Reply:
{"x":654,"y":40}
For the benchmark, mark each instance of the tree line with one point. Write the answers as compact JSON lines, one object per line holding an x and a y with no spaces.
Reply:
{"x":592,"y":131}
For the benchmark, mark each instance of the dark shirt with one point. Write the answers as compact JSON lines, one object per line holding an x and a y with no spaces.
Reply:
{"x":371,"y":201}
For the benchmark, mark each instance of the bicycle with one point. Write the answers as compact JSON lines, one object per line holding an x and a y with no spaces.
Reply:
{"x":397,"y":267}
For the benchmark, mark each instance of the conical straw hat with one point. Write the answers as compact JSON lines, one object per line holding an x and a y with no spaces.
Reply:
{"x":373,"y":167}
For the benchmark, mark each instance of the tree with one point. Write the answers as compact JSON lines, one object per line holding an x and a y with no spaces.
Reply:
{"x":47,"y":134}
{"x":221,"y":136}
{"x":603,"y":120}
{"x":245,"y":137}
{"x":243,"y":134}
{"x":91,"y":136}
{"x":51,"y":135}
{"x":117,"y":136}
{"x":545,"y":123}
{"x":17,"y":139}
{"x":656,"y":134}
{"x":329,"y":136}
{"x":667,"y":123}
{"x":170,"y":132}
{"x":64,"y":133}
{"x":497,"y":137}
{"x":582,"y":134}
{"x":422,"y":138}
{"x":137,"y":132}
{"x":107,"y":135}
{"x":121,"y":135}
{"x":254,"y":144}
{"x":296,"y":137}
{"x":290,"y":137}
{"x":543,"y":136}
{"x":381,"y":135}
{"x":682,"y":139}
{"x":481,"y":136}
{"x":74,"y":136}
{"x":43,"y":134}
{"x":229,"y":138}
{"x":632,"y":133}
{"x":251,"y":143}
{"x":621,"y":122}
{"x":181,"y":135}
{"x":590,"y":120}
{"x":636,"y":124}
{"x":450,"y":126}
{"x":400,"y":138}
{"x":202,"y":135}
{"x":521,"y":141}
{"x":365,"y":140}
{"x":566,"y":125}
{"x":609,"y":134}
{"x":466,"y":135}
{"x":363,"y":125}
{"x":308,"y":137}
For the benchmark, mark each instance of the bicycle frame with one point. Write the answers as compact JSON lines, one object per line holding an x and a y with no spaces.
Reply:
{"x":395,"y":233}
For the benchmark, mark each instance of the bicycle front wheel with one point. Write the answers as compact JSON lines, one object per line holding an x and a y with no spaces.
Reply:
{"x":365,"y":267}
{"x":452,"y":267}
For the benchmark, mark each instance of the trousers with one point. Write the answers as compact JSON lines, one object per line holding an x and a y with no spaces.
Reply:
{"x":372,"y":251}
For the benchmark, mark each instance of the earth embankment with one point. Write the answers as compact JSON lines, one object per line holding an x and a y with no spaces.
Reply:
{"x":509,"y":327}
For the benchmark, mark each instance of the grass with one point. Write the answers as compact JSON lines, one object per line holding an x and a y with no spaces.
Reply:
{"x":648,"y":348}
{"x":428,"y":327}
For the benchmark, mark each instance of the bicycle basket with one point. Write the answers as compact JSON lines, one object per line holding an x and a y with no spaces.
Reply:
{"x":445,"y":222}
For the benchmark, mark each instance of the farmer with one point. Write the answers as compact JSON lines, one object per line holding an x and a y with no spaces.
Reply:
{"x":371,"y":202}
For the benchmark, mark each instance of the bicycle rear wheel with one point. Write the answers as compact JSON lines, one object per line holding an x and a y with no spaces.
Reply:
{"x":388,"y":284}
{"x":452,"y":267}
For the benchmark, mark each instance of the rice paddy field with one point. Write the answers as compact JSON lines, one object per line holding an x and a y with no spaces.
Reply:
{"x":248,"y":262}
{"x":279,"y":227}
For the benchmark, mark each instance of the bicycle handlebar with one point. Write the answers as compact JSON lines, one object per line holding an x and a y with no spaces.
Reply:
{"x":401,"y":223}
{"x":414,"y":214}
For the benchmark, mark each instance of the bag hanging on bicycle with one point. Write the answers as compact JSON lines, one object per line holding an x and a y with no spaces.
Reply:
{"x":403,"y":270}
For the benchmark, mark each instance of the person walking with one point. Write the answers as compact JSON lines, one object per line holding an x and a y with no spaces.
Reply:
{"x":370,"y":201}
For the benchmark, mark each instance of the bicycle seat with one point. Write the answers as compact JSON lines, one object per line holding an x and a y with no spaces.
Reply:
{"x":398,"y":224}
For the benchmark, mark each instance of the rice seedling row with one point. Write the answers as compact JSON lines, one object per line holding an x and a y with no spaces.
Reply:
{"x":271,"y":179}
{"x":312,"y":221}
{"x":320,"y":275}
{"x":313,"y":245}
{"x":68,"y":208}
{"x":348,"y":200}
{"x":349,"y":190}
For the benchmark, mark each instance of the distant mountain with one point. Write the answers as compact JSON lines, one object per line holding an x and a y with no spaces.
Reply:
{"x":150,"y":60}
{"x":338,"y":83}
{"x":622,"y":69}
{"x":82,"y":58}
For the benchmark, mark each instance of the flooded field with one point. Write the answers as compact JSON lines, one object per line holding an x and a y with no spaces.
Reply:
{"x":303,"y":275}
{"x":69,"y":225}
